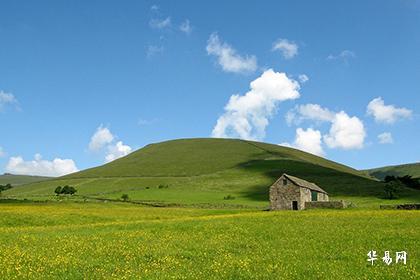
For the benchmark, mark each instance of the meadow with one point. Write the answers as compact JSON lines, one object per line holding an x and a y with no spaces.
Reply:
{"x":71,"y":240}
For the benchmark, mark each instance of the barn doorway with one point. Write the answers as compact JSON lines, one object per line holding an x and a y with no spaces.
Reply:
{"x":294,"y":205}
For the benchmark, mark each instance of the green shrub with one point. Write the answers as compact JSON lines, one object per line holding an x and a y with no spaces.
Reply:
{"x":125,"y":197}
{"x":229,"y":197}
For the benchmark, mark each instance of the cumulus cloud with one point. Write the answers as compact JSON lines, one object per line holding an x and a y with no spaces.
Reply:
{"x":308,"y":140}
{"x":345,"y":132}
{"x":7,"y":99}
{"x":385,"y":138}
{"x":228,"y":58}
{"x":40,"y":167}
{"x":117,"y":150}
{"x":303,"y":78}
{"x":186,"y":27}
{"x":343,"y":55}
{"x":287,"y":48}
{"x":309,"y":112}
{"x":104,"y":140}
{"x":386,"y":113}
{"x":160,"y":23}
{"x":247,"y":116}
{"x":100,"y":138}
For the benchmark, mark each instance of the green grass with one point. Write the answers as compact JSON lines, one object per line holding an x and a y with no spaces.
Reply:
{"x":123,"y":241}
{"x":204,"y":171}
{"x":16,"y":180}
{"x":412,"y":169}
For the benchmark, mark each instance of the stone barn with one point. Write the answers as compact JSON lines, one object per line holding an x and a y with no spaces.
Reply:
{"x":291,"y":193}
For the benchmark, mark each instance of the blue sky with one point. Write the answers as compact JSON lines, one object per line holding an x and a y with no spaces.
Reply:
{"x":84,"y":82}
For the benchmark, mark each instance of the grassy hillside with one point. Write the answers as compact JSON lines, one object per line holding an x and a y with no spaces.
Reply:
{"x":16,"y":180}
{"x":412,"y":169}
{"x":204,"y":171}
{"x":192,"y":157}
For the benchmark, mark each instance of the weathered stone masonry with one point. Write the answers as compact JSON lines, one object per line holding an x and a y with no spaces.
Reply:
{"x":291,"y":193}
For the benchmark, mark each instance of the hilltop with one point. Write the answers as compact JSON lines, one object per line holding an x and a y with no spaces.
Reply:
{"x":412,"y":169}
{"x":16,"y":180}
{"x":207,"y":170}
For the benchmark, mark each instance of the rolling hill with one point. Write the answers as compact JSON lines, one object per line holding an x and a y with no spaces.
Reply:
{"x":16,"y":180}
{"x":412,"y":169}
{"x":205,"y":171}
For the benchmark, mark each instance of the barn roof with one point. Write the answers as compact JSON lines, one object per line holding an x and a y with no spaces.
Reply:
{"x":303,"y":183}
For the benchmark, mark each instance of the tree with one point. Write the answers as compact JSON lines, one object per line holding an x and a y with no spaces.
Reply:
{"x":58,"y":190}
{"x":65,"y":190}
{"x":125,"y":197}
{"x":392,"y":189}
{"x":72,"y":190}
{"x":5,"y":187}
{"x":389,"y":178}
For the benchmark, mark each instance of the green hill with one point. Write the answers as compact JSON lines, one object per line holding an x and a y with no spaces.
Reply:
{"x":205,"y":171}
{"x":16,"y":180}
{"x":412,"y":169}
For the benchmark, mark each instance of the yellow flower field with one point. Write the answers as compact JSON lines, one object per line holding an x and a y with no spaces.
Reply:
{"x":121,"y":241}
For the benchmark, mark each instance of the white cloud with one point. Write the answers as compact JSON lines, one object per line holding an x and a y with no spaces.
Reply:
{"x":101,"y":138}
{"x":345,"y":132}
{"x":228,"y":58}
{"x":153,"y":50}
{"x":40,"y":167}
{"x":309,"y":112}
{"x":303,"y":78}
{"x":160,"y":23}
{"x":2,"y":153}
{"x":7,"y":99}
{"x":287,"y":48}
{"x":248,"y":115}
{"x":385,"y":138}
{"x":344,"y":55}
{"x":116,"y":151}
{"x":308,"y":140}
{"x":154,"y":8}
{"x":186,"y":27}
{"x":386,"y":113}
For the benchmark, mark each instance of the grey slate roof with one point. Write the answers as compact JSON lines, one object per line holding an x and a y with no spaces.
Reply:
{"x":304,"y":184}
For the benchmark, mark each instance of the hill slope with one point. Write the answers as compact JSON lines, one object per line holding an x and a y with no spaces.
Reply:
{"x":16,"y":180}
{"x":204,"y":171}
{"x":412,"y":169}
{"x":192,"y":157}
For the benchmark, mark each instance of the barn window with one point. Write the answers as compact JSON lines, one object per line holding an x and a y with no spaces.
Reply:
{"x":284,"y":182}
{"x":314,"y":196}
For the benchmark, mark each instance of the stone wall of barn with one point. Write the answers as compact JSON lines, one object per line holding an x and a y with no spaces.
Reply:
{"x":323,"y":197}
{"x":281,"y":196}
{"x":305,"y":195}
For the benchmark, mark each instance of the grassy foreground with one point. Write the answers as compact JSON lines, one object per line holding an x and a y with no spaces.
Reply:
{"x":123,"y":241}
